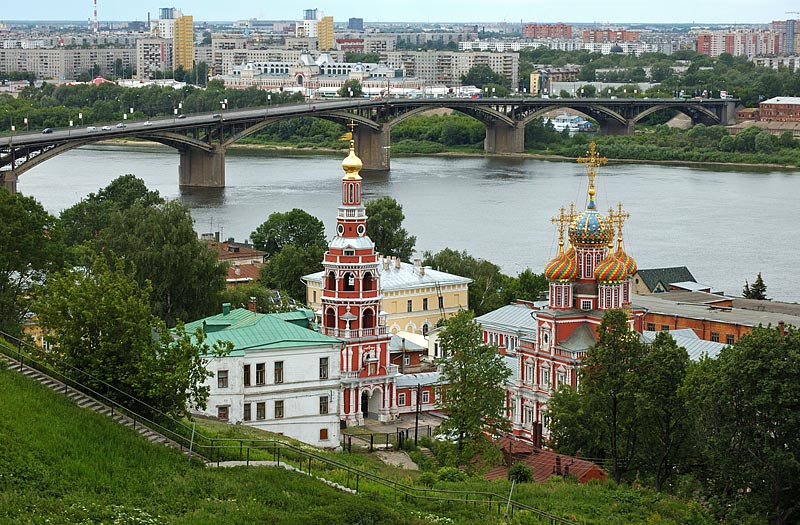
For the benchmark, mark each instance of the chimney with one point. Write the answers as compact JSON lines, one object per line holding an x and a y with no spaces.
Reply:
{"x":385,"y":263}
{"x":397,"y":262}
{"x":251,"y":304}
{"x":781,"y":328}
{"x":417,"y":264}
{"x":226,"y":308}
{"x":422,"y":271}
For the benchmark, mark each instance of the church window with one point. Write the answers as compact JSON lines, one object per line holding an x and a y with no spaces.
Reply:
{"x":330,"y":318}
{"x":367,"y":282}
{"x":331,"y":282}
{"x":546,"y":378}
{"x":369,"y":319}
{"x":401,"y":399}
{"x":586,"y":305}
{"x":527,"y":418}
{"x":588,"y":266}
{"x":529,"y":373}
{"x":559,"y":296}
{"x":349,"y":282}
{"x":351,"y":192}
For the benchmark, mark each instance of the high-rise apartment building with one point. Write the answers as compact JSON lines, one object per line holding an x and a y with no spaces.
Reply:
{"x":183,"y":42}
{"x":325,"y":33}
{"x":355,"y":24}
{"x":547,"y":31}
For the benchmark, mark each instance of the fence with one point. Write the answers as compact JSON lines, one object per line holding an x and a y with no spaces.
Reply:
{"x":386,"y":440}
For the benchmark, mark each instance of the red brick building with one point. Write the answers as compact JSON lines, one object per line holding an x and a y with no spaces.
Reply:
{"x":559,"y":30}
{"x":610,"y":35}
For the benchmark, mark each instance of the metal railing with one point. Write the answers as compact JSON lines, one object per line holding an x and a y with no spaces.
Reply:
{"x":218,"y":450}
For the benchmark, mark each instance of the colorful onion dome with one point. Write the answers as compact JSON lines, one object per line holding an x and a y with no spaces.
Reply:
{"x":627,"y":260}
{"x":610,"y":270}
{"x":590,"y":229}
{"x":352,"y":164}
{"x":562,"y":268}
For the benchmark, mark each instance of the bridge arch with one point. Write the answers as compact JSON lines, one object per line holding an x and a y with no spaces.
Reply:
{"x":696,"y":112}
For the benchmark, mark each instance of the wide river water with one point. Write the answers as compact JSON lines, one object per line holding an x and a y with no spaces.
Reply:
{"x":724,"y":224}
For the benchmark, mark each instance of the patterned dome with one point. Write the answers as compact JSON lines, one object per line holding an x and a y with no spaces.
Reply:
{"x":590,"y":229}
{"x":627,"y":260}
{"x":563,"y":268}
{"x":610,"y":270}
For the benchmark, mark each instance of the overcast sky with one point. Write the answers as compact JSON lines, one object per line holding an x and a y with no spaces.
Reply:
{"x":575,"y":11}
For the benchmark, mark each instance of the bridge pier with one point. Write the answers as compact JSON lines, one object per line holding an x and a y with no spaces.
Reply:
{"x":202,"y":169}
{"x":372,"y":147}
{"x":615,"y":127}
{"x":502,"y":138}
{"x":8,"y":180}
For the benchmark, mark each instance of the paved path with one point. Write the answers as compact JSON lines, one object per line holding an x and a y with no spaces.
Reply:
{"x":225,"y":464}
{"x":397,"y":459}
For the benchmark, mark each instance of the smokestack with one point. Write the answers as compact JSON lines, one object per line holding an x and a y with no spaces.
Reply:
{"x":95,"y":16}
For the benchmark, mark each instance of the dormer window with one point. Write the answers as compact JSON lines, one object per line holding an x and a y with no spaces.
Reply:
{"x":349,"y":253}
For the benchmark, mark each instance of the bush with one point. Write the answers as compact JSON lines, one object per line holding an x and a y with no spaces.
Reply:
{"x":451,"y":474}
{"x":428,"y":479}
{"x":520,"y":472}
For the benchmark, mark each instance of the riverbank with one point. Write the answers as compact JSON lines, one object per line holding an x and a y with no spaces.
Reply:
{"x":465,"y":154}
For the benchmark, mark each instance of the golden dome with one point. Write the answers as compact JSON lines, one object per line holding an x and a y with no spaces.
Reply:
{"x":352,"y":164}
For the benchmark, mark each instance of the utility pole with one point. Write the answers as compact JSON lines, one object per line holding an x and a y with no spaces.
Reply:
{"x":416,"y":417}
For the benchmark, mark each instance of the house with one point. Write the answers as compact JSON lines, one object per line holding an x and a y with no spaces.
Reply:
{"x":244,"y":261}
{"x":544,"y":463}
{"x":281,"y":376}
{"x":656,"y":280}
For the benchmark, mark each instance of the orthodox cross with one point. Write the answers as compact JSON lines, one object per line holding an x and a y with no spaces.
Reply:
{"x":619,"y":217}
{"x":592,"y":160}
{"x":563,"y":219}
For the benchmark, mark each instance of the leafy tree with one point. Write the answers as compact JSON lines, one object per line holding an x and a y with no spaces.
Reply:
{"x":475,"y":375}
{"x":185,"y":275}
{"x":99,"y":318}
{"x":748,"y":420}
{"x":573,"y":424}
{"x":31,"y":245}
{"x":482,"y":75}
{"x":369,"y":58}
{"x":295,"y":227}
{"x":520,"y":472}
{"x":267,"y":301}
{"x":284,"y":270}
{"x":487,"y":281}
{"x":757,"y":291}
{"x":384,"y":227}
{"x":351,"y":86}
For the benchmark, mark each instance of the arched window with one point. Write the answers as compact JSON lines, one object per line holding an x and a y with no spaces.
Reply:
{"x":349,"y":282}
{"x":330,"y":318}
{"x":369,"y":318}
{"x":425,"y":329}
{"x":331,"y":282}
{"x":587,"y":266}
{"x":367,"y":282}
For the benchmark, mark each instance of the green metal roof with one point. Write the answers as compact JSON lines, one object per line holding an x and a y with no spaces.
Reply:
{"x":251,"y":330}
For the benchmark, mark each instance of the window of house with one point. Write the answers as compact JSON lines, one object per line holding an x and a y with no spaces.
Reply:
{"x":401,"y":399}
{"x":222,"y":379}
{"x":586,"y":305}
{"x":247,"y":414}
{"x":323,"y":404}
{"x":323,"y":368}
{"x":527,"y":417}
{"x":545,"y":377}
{"x":651,"y":326}
{"x":406,"y":360}
{"x":222,"y":413}
{"x":409,"y":306}
{"x":314,"y":296}
{"x":426,"y":397}
{"x":425,"y":303}
{"x":665,"y":328}
{"x":441,"y":302}
{"x":529,"y":373}
{"x":261,"y":374}
{"x":261,"y":411}
{"x":323,"y":434}
{"x":729,"y":339}
{"x":246,"y":375}
{"x":279,"y":409}
{"x":436,"y":350}
{"x":278,"y":372}
{"x":715,"y":337}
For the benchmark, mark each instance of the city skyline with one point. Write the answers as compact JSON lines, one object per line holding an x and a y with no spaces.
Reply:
{"x":418,"y":11}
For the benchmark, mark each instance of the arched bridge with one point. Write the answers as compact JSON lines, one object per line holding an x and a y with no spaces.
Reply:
{"x":202,"y":139}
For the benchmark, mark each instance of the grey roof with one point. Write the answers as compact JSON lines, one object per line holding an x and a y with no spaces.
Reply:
{"x":767,"y":306}
{"x":691,"y":286}
{"x":396,"y":344}
{"x":652,"y":276}
{"x":407,"y":276}
{"x":513,"y":317}
{"x":580,"y":339}
{"x":658,"y":303}
{"x":685,"y":296}
{"x":423,"y":378}
{"x":357,"y":243}
{"x":687,"y":338}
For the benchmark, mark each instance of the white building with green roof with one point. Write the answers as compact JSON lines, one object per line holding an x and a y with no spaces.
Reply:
{"x":281,"y":376}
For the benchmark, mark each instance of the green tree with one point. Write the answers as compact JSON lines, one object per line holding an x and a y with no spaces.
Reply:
{"x":385,"y":228}
{"x":100,"y":320}
{"x":185,"y":275}
{"x":351,"y":86}
{"x":267,"y":301}
{"x":482,"y":75}
{"x":487,"y":281}
{"x":284,"y":270}
{"x":757,"y":291}
{"x":475,"y":375}
{"x":31,"y":245}
{"x":748,"y":420}
{"x":573,"y":424}
{"x":295,"y":227}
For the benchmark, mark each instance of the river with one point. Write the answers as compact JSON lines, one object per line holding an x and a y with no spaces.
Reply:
{"x":724,"y":224}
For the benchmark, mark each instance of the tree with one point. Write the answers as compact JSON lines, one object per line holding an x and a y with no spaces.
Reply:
{"x":295,"y":227}
{"x":267,"y":301}
{"x":100,"y":321}
{"x":482,"y":75}
{"x":31,"y":245}
{"x":475,"y":375}
{"x":757,"y":291}
{"x":384,"y":226}
{"x":185,"y":275}
{"x":284,"y":270}
{"x":351,"y":88}
{"x":487,"y":281}
{"x":746,"y":405}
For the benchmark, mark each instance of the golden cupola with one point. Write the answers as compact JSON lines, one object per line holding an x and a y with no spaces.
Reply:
{"x":352,"y":164}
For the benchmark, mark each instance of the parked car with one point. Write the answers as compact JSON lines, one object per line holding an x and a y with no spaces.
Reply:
{"x":147,"y":123}
{"x":91,"y":129}
{"x":181,"y":116}
{"x":216,"y":115}
{"x":106,"y":128}
{"x":120,"y":125}
{"x":47,"y":130}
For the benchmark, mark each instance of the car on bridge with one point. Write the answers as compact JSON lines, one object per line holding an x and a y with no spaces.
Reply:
{"x":120,"y":125}
{"x":147,"y":123}
{"x":106,"y":128}
{"x":91,"y":129}
{"x":47,"y":130}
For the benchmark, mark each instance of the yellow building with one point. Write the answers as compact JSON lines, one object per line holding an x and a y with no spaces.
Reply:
{"x":325,"y":33}
{"x":183,"y":43}
{"x":415,"y":297}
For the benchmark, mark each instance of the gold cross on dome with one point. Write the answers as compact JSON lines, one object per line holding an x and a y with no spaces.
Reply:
{"x":592,"y":160}
{"x":619,"y":217}
{"x":562,"y":219}
{"x":352,"y":125}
